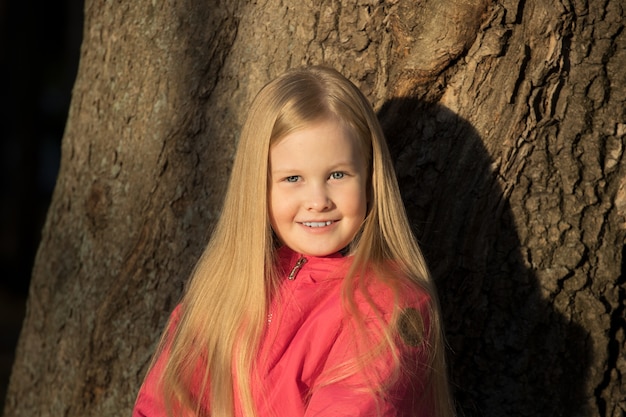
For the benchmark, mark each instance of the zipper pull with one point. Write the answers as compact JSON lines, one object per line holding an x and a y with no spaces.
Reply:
{"x":296,"y":268}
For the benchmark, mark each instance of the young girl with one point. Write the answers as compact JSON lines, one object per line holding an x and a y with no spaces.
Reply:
{"x":312,"y":297}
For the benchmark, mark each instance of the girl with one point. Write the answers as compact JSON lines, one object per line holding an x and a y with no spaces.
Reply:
{"x":312,"y":297}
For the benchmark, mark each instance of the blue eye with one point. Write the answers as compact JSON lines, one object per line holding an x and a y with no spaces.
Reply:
{"x":292,"y":178}
{"x":337,"y":175}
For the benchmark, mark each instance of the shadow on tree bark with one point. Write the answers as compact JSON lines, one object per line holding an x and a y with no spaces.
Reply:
{"x":512,"y":353}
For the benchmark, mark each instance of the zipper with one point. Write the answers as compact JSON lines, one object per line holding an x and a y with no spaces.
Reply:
{"x":292,"y":275}
{"x":296,"y":269}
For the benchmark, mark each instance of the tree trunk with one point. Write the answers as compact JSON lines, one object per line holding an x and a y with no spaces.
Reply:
{"x":507,"y":123}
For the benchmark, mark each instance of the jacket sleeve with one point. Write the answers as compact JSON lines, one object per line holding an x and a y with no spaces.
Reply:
{"x":401,"y":387}
{"x":149,"y":401}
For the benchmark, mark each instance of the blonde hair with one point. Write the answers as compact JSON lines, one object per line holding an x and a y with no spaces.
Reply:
{"x":224,"y":308}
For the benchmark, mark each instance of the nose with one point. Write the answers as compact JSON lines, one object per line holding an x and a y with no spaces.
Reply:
{"x":318,"y":198}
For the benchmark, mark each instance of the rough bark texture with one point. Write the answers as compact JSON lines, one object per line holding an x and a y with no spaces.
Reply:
{"x":507,"y":121}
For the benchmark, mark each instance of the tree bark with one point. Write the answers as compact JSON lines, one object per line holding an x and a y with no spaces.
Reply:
{"x":507,"y":123}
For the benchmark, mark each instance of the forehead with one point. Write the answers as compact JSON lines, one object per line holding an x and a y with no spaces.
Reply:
{"x":328,"y":141}
{"x":324,"y":132}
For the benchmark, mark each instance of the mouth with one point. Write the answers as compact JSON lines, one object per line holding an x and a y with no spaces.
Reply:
{"x":317,"y":224}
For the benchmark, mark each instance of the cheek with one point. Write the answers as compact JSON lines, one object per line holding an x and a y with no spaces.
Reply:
{"x":278,"y":207}
{"x":364,"y":201}
{"x":271,"y":206}
{"x":356,"y":204}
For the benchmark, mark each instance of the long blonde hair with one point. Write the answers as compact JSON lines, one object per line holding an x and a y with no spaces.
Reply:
{"x":225,"y":305}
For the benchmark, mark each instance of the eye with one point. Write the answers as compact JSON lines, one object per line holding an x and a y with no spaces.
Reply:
{"x":337,"y":175}
{"x":292,"y":178}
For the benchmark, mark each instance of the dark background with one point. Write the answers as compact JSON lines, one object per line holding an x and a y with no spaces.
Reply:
{"x":39,"y":52}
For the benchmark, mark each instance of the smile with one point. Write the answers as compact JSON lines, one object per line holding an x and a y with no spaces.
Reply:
{"x":317,"y":224}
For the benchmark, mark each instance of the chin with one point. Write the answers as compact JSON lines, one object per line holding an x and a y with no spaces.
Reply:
{"x":322,"y":252}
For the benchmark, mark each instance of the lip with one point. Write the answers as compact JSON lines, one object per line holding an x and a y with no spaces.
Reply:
{"x":317,"y":225}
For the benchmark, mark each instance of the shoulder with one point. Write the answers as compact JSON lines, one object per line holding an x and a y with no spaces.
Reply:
{"x":175,"y":315}
{"x":389,"y":289}
{"x":390,"y":298}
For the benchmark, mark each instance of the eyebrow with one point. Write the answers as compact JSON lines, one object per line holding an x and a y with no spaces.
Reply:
{"x":334,"y":167}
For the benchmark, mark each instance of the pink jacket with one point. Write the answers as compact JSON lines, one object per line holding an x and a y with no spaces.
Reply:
{"x":309,"y":333}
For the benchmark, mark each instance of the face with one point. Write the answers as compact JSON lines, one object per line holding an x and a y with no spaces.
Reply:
{"x":317,"y":188}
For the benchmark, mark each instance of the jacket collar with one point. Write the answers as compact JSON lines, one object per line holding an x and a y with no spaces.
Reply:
{"x":316,"y":268}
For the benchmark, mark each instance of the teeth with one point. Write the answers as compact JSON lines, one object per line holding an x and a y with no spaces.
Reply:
{"x":317,"y":224}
